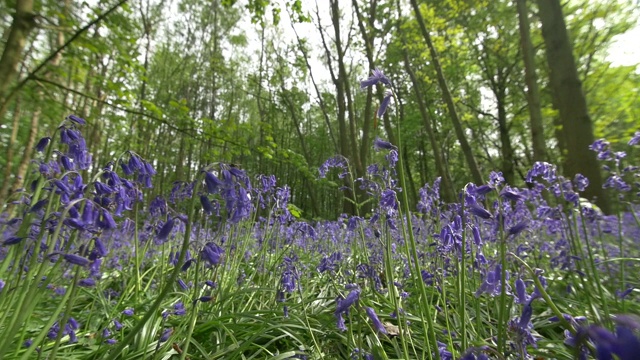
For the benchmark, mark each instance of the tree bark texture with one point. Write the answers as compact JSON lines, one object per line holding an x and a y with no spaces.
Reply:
{"x":23,"y":23}
{"x":531,"y":80}
{"x":577,"y":129}
{"x":448,"y":98}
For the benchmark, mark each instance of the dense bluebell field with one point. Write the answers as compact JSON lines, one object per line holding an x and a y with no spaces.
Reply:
{"x":221,"y":268}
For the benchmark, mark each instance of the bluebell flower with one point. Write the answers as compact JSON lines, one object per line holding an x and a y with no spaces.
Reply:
{"x":12,"y":240}
{"x":392,"y":158}
{"x":581,"y":182}
{"x":477,"y":239}
{"x":518,"y":228}
{"x":510,"y":194}
{"x":635,"y":139}
{"x":166,"y":334}
{"x":128,"y":312}
{"x":340,"y":322}
{"x":148,"y":168}
{"x":388,"y":200}
{"x":482,"y":190}
{"x":89,"y":214}
{"x":205,"y":298}
{"x":212,"y":253}
{"x":183,"y":285}
{"x":377,"y":324}
{"x":165,"y":230}
{"x":623,"y":343}
{"x":88,"y":282}
{"x":126,"y":169}
{"x":187,"y":264}
{"x":136,"y":163}
{"x":242,"y":208}
{"x":521,"y":295}
{"x":379,"y":144}
{"x":480,"y":212}
{"x":207,"y":206}
{"x":525,"y":318}
{"x":76,"y":119}
{"x":212,"y":183}
{"x":179,"y":309}
{"x":344,"y":305}
{"x":76,"y":259}
{"x":493,"y":282}
{"x":107,"y":220}
{"x":385,"y":103}
{"x":496,"y":179}
{"x":74,"y":223}
{"x":42,"y":144}
{"x":376,"y":77}
{"x":334,"y":162}
{"x":445,"y":354}
{"x":623,"y":294}
{"x":475,"y":353}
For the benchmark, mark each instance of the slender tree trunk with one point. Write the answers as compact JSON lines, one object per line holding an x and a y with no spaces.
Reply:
{"x":35,"y":118}
{"x":23,"y":23}
{"x":323,"y":108}
{"x":339,"y":82}
{"x":6,"y":183}
{"x":447,"y":186}
{"x":506,"y":149}
{"x":368,"y":107}
{"x":347,"y":142}
{"x":531,"y":79}
{"x":307,"y":155}
{"x":137,"y":121}
{"x":26,"y":159}
{"x":448,"y":98}
{"x":577,"y":128}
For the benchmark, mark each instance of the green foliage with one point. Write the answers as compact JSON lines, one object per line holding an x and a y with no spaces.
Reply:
{"x":202,"y":85}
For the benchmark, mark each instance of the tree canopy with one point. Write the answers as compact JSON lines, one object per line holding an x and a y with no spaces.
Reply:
{"x":275,"y":87}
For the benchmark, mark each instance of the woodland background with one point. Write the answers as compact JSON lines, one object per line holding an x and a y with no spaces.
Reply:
{"x":274,"y":87}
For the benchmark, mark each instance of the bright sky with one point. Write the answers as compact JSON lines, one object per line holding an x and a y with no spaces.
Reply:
{"x":626,"y":49}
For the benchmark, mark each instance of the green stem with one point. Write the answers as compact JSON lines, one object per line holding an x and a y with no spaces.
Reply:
{"x":67,"y":314}
{"x":117,"y":350}
{"x":502,"y":311}
{"x":194,"y":313}
{"x":545,"y":295}
{"x":426,"y":312}
{"x":462,"y":273}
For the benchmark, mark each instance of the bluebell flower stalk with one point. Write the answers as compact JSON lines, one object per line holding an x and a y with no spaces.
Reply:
{"x":115,"y":352}
{"x":410,"y":246}
{"x":30,"y":291}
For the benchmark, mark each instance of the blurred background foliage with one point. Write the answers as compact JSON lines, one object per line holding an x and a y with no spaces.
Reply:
{"x":273,"y":86}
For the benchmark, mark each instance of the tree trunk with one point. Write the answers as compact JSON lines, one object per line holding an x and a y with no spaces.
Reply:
{"x":531,"y":79}
{"x":323,"y":108}
{"x":448,"y":98}
{"x":577,"y":130}
{"x":23,"y":23}
{"x":28,"y":150}
{"x":339,"y":83}
{"x":368,"y":108}
{"x":506,"y":149}
{"x":343,"y":89}
{"x":447,"y":186}
{"x":6,"y":183}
